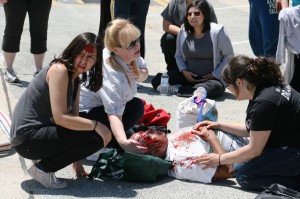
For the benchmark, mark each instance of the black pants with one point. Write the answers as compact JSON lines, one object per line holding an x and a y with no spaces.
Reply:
{"x":57,"y":147}
{"x":168,"y":47}
{"x":15,"y":13}
{"x":105,"y":18}
{"x":295,"y":83}
{"x":214,"y":88}
{"x":134,"y":111}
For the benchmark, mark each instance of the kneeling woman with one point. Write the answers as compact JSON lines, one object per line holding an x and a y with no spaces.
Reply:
{"x":272,"y":123}
{"x":114,"y":104}
{"x":45,"y":123}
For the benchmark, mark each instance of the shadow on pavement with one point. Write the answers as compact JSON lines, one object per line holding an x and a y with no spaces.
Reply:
{"x":85,"y":187}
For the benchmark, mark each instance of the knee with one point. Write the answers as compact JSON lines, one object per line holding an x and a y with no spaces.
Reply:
{"x":139,"y":107}
{"x":245,"y":179}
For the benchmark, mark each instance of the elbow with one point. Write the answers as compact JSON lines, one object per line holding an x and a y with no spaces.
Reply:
{"x":58,"y":120}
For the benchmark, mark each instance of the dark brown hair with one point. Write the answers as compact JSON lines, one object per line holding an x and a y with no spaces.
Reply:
{"x":205,"y":9}
{"x":92,"y":80}
{"x":257,"y":71}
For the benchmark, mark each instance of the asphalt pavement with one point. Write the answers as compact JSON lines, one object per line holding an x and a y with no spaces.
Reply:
{"x":68,"y":19}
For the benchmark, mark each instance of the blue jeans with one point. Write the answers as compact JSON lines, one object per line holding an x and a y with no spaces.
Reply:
{"x":275,"y":165}
{"x":263,"y":39}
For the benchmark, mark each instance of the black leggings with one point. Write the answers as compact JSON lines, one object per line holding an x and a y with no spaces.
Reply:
{"x":15,"y":13}
{"x":57,"y":147}
{"x":134,"y":111}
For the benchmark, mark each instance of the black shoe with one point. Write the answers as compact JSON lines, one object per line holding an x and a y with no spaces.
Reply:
{"x":186,"y":91}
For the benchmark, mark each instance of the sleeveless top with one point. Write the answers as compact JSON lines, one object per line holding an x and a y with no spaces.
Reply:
{"x":33,"y":110}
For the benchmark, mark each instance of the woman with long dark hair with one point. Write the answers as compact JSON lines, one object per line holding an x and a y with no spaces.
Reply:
{"x":45,"y":123}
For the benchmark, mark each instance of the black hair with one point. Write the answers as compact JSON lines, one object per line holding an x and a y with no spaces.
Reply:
{"x":257,"y":71}
{"x":205,"y":10}
{"x":92,"y":80}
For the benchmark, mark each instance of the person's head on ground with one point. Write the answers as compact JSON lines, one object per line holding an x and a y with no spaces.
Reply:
{"x":243,"y":74}
{"x":156,"y":141}
{"x":84,"y":55}
{"x":197,"y":16}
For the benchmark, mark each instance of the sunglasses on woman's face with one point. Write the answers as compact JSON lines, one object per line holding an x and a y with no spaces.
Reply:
{"x":196,"y":13}
{"x":133,"y":44}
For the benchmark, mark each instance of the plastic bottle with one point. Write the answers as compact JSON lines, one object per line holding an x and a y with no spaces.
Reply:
{"x":164,"y":84}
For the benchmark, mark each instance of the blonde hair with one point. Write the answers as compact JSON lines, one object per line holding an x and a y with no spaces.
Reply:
{"x":119,"y":33}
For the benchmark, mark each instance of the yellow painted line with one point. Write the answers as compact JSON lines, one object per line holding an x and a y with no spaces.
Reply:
{"x":54,"y":2}
{"x":162,"y":2}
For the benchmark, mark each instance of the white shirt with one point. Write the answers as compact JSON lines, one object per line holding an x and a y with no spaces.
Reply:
{"x":184,"y":148}
{"x":115,"y":92}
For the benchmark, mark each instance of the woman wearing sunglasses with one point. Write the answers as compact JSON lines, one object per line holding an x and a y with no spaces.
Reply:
{"x":202,"y":51}
{"x":114,"y":104}
{"x":173,"y":18}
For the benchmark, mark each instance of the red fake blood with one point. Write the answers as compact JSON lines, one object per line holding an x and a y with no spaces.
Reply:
{"x":89,"y":48}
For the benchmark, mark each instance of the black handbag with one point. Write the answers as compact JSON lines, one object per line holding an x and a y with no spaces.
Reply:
{"x":277,"y":191}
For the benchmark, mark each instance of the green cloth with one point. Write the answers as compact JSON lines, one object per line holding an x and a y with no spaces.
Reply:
{"x":126,"y":166}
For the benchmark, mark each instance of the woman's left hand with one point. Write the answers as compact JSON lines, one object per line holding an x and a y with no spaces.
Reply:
{"x":209,"y":160}
{"x":132,"y":73}
{"x":79,"y":169}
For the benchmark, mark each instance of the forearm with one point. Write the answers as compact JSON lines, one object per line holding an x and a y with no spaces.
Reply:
{"x":76,"y":123}
{"x":216,"y":145}
{"x":170,"y":28}
{"x":143,"y":75}
{"x":117,"y":128}
{"x":243,"y":154}
{"x":237,"y":129}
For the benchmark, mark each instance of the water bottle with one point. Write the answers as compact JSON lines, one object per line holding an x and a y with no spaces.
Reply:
{"x":164,"y":84}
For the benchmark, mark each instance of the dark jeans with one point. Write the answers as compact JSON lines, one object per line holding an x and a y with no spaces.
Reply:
{"x":136,"y":11}
{"x":295,"y":83}
{"x":15,"y":13}
{"x":57,"y":147}
{"x":168,"y":47}
{"x":275,"y":165}
{"x":134,"y":111}
{"x":214,"y":88}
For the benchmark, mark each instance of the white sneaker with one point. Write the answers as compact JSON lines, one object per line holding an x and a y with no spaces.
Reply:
{"x":10,"y":76}
{"x":48,"y":180}
{"x":36,"y":71}
{"x":172,"y":89}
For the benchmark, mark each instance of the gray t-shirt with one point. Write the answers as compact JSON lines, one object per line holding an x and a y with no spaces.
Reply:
{"x":33,"y":110}
{"x":199,"y":54}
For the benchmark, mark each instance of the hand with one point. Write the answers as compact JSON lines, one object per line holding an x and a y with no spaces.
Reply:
{"x":208,"y":124}
{"x":281,"y":4}
{"x":79,"y":169}
{"x":133,"y":147}
{"x":190,"y":77}
{"x":3,"y":1}
{"x":208,"y":77}
{"x":133,"y":72}
{"x":205,"y":134}
{"x":209,"y":160}
{"x":104,"y":132}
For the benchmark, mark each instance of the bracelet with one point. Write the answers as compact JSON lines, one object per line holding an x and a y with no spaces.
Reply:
{"x":220,"y":159}
{"x":95,"y":125}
